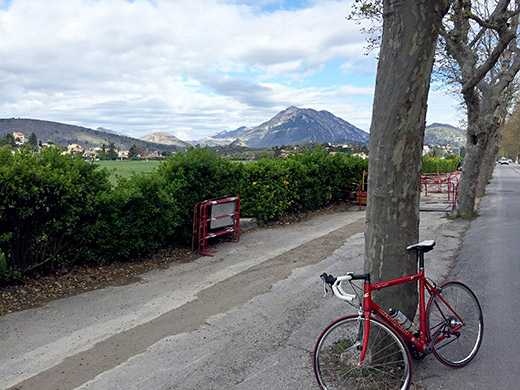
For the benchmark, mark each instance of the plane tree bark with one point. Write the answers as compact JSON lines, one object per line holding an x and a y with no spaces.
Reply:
{"x":487,"y":60}
{"x":482,"y":57}
{"x":409,"y":38}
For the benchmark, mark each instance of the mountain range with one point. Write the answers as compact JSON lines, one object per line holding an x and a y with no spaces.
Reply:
{"x":63,"y":134}
{"x":289,"y":127}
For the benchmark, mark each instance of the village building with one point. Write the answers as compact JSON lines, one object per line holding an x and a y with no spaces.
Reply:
{"x":19,"y":137}
{"x":75,"y":149}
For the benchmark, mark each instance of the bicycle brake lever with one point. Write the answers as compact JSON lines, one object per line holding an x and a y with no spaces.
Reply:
{"x":325,"y":288}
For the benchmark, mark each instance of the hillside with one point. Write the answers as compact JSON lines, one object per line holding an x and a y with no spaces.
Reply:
{"x":293,"y":126}
{"x":164,"y":139}
{"x":438,"y":134}
{"x":289,"y":127}
{"x":63,"y":134}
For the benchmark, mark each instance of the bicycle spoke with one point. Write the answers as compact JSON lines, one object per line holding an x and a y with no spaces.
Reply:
{"x":460,"y":343}
{"x":337,"y":358}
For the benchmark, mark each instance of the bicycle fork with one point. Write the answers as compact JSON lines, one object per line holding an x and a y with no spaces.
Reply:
{"x":365,"y":317}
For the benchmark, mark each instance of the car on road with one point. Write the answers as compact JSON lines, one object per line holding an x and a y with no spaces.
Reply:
{"x":503,"y":161}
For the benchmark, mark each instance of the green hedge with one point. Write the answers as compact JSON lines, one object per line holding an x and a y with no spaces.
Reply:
{"x":46,"y":202}
{"x":57,"y":210}
{"x":135,"y":218}
{"x":196,"y":175}
{"x":438,"y":165}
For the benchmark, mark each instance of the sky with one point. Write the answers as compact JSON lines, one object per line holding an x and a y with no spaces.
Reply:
{"x":192,"y":68}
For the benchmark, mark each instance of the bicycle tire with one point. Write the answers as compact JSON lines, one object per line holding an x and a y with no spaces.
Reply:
{"x":387,"y":363}
{"x":460,"y":348}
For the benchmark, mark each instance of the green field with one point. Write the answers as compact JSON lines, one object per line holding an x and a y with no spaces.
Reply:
{"x":126,"y":168}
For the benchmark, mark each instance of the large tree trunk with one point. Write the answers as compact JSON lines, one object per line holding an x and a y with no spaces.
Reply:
{"x":476,"y":145}
{"x":488,"y":165}
{"x":485,"y":115}
{"x":499,"y":105}
{"x":410,"y":30}
{"x":485,"y":50}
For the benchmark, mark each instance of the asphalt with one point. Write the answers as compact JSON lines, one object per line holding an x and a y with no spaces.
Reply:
{"x":237,"y":320}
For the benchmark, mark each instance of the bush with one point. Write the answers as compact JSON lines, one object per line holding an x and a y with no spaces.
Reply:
{"x":195,"y":175}
{"x":437,"y":165}
{"x":318,"y":177}
{"x":135,"y":218}
{"x":304,"y":182}
{"x":57,"y":209}
{"x":45,"y":202}
{"x":264,"y":190}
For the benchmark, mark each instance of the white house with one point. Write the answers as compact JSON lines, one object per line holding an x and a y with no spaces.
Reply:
{"x":75,"y":149}
{"x":19,"y":137}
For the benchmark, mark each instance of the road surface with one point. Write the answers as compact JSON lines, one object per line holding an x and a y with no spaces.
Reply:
{"x":247,"y":318}
{"x":489,"y":262}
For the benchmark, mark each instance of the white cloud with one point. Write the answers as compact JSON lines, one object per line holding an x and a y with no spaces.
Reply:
{"x":444,"y":107}
{"x":190,"y":67}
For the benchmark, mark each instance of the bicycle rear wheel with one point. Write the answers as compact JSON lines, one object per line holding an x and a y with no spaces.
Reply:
{"x":457,"y":348}
{"x":387,"y":363}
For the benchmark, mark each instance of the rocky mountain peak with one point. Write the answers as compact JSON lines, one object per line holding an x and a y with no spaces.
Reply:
{"x":295,"y":126}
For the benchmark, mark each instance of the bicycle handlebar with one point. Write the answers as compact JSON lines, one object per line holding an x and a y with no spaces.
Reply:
{"x":335,"y":284}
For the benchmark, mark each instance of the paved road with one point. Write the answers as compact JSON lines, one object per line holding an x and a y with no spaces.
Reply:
{"x":245,"y":319}
{"x":490,"y":263}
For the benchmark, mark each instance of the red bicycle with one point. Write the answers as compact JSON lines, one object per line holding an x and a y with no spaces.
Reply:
{"x":365,"y":352}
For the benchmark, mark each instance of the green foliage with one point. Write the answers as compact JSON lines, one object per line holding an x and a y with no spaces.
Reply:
{"x":6,"y":272}
{"x":112,"y":152}
{"x":196,"y":175}
{"x":8,"y":140}
{"x":264,"y":191}
{"x":33,"y":142}
{"x":45,"y":202}
{"x":58,"y":209}
{"x":305,"y":181}
{"x":317,"y":177}
{"x":438,"y":165}
{"x":133,"y":152}
{"x":135,"y":218}
{"x":108,"y":152}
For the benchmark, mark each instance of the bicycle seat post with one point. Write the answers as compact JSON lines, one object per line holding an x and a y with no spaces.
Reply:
{"x":421,"y":249}
{"x":420,"y":255}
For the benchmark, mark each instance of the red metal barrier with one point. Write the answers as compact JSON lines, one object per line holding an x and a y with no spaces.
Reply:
{"x":214,"y":218}
{"x":443,"y":186}
{"x":356,"y":192}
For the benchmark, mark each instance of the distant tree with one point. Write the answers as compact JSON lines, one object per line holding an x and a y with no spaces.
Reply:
{"x":112,"y":152}
{"x":481,"y":41}
{"x":133,"y":152}
{"x":277,"y":151}
{"x":102,"y":155}
{"x":11,"y":140}
{"x":510,"y":142}
{"x":33,"y":142}
{"x":166,"y":153}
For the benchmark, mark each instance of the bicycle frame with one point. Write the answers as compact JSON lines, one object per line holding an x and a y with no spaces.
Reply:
{"x":421,"y":342}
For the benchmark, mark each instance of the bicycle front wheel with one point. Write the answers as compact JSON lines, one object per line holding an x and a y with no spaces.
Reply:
{"x":457,"y":347}
{"x":387,"y":363}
